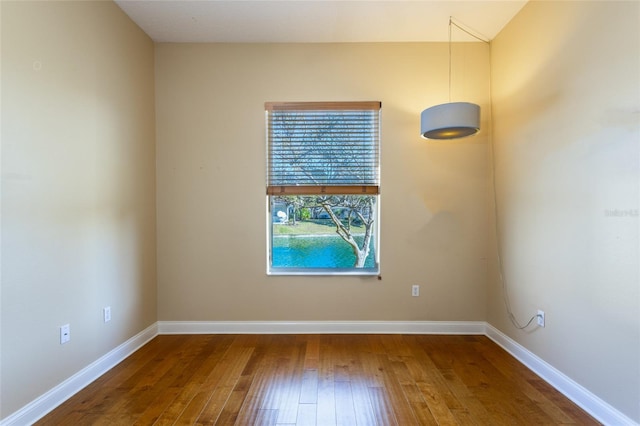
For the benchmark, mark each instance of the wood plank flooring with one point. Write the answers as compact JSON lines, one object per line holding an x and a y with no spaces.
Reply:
{"x":319,"y":380}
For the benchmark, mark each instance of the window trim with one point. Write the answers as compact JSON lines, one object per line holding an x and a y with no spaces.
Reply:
{"x":371,"y":189}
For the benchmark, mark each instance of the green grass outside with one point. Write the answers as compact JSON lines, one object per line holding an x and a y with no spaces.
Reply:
{"x":311,"y":228}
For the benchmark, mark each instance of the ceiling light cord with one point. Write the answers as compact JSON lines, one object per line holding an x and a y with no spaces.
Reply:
{"x":503,"y":281}
{"x":467,"y":30}
{"x":455,"y":120}
{"x":472,"y":34}
{"x":450,"y":22}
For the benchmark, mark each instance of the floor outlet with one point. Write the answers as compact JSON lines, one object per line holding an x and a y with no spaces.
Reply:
{"x":65,"y":334}
{"x":415,"y":290}
{"x":540,"y":318}
{"x":106,"y":313}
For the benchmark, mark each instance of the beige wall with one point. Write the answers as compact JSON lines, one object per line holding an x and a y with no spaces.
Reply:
{"x":566,"y":95}
{"x":79,"y":196}
{"x":78,"y":189}
{"x":211,"y":182}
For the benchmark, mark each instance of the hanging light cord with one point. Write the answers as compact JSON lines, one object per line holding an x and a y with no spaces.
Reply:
{"x":450,"y":22}
{"x":505,"y":293}
{"x":468,"y":31}
{"x":503,"y":281}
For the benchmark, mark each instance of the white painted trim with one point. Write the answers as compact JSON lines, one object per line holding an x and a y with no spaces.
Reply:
{"x":45,"y":403}
{"x":595,"y":406}
{"x":589,"y":402}
{"x":321,"y":327}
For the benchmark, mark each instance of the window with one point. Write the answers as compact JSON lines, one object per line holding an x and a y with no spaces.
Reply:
{"x":323,"y":187}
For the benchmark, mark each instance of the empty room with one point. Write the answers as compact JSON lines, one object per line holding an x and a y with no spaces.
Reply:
{"x":320,"y":212}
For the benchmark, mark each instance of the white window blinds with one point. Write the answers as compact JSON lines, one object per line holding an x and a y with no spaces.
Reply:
{"x":323,"y":147}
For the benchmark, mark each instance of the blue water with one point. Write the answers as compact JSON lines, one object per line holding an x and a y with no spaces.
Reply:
{"x":316,"y":252}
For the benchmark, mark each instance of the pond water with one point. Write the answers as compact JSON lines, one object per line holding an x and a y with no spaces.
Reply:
{"x":327,"y":251}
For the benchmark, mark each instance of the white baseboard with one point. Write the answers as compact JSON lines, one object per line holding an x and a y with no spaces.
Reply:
{"x":595,"y":406}
{"x":321,"y":327}
{"x":589,"y":402}
{"x":42,"y":405}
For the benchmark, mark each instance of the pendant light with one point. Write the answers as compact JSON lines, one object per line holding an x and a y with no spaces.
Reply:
{"x":452,"y":120}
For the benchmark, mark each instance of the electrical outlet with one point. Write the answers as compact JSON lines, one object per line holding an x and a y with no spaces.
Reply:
{"x":415,"y":290}
{"x":540,"y":318}
{"x":65,"y":333}
{"x":106,"y":313}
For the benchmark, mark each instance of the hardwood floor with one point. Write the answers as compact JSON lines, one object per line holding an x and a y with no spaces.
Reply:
{"x":319,"y":380}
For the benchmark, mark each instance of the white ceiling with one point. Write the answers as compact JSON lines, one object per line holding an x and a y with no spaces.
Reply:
{"x":317,"y":21}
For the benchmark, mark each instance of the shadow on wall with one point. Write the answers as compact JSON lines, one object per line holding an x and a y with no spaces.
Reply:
{"x":438,"y":237}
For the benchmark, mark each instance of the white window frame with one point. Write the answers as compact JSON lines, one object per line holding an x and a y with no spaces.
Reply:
{"x":367,"y":182}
